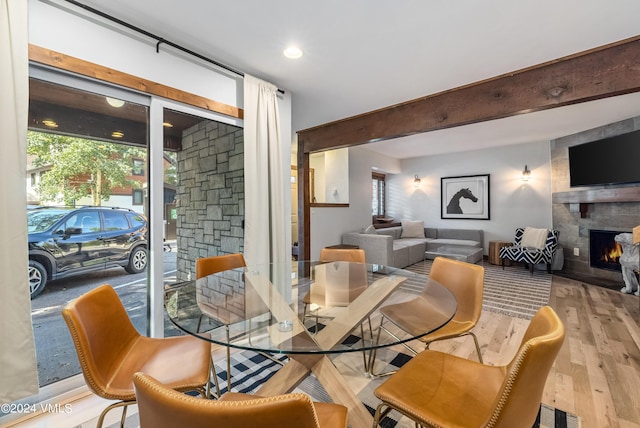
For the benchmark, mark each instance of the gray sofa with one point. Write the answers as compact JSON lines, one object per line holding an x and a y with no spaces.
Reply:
{"x":386,"y":247}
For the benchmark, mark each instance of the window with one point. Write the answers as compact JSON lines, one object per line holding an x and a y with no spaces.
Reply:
{"x":33,"y":179}
{"x":137,"y":197}
{"x":115,"y":221}
{"x":378,"y":190}
{"x":138,"y":167}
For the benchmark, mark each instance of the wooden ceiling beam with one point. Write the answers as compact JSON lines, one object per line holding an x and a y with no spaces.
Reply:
{"x":602,"y":72}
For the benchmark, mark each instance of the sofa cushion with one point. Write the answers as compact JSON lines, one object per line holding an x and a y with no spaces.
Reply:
{"x":370,"y":230}
{"x":431,"y":232}
{"x":435,"y":243}
{"x":394,"y":232}
{"x":412,"y":229}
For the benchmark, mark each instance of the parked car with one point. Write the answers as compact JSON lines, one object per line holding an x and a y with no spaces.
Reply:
{"x":69,"y":241}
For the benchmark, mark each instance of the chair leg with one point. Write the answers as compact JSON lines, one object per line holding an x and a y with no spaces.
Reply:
{"x":123,"y":418}
{"x":364,"y":353}
{"x":372,"y":355}
{"x":213,"y":373}
{"x":475,"y":340}
{"x":113,"y":406}
{"x":380,"y":414}
{"x":228,"y":362}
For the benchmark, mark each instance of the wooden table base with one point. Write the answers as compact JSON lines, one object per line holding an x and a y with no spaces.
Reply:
{"x":300,"y":366}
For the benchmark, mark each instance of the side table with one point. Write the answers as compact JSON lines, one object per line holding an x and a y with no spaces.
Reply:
{"x":494,"y":252}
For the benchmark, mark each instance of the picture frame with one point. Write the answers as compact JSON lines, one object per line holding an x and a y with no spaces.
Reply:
{"x":458,"y":194}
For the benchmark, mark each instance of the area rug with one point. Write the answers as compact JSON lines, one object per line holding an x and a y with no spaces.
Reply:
{"x":511,"y":291}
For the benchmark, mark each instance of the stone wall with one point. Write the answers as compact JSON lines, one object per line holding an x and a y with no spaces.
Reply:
{"x":210,"y":197}
{"x":574,"y":230}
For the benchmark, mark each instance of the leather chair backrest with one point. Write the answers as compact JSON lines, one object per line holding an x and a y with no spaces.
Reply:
{"x":160,"y":407}
{"x":465,"y":281}
{"x":527,"y":372}
{"x":342,"y":255}
{"x":209,"y":265}
{"x":102,"y":333}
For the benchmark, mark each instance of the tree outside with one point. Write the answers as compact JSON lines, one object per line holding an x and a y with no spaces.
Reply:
{"x":81,"y":167}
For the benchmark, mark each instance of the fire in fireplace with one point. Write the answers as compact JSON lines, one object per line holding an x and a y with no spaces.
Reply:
{"x":604,"y":251}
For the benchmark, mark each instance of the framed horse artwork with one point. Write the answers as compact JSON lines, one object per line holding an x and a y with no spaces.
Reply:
{"x":465,"y":197}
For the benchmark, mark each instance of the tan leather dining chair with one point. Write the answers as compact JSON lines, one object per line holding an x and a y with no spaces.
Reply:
{"x":327,"y":255}
{"x":111,"y":351}
{"x":206,"y":266}
{"x":209,"y":265}
{"x":436,"y":389}
{"x":162,"y":407}
{"x":465,"y":281}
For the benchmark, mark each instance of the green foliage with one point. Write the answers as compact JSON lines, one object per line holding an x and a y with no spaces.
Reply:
{"x":80,"y":167}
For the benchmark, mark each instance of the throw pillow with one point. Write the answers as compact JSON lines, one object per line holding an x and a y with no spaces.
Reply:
{"x":534,"y":238}
{"x":370,"y":230}
{"x":412,"y":229}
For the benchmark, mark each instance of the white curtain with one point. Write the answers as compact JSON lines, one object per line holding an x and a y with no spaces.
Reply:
{"x":267,"y":176}
{"x":18,"y":369}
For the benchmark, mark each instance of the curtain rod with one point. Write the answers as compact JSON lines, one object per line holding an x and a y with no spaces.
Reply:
{"x":159,"y":39}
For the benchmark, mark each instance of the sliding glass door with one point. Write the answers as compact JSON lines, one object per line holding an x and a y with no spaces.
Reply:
{"x":87,"y":183}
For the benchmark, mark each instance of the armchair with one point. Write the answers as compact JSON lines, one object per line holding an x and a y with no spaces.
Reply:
{"x":522,"y":252}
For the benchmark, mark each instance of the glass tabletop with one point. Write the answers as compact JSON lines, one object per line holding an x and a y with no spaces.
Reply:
{"x":301,"y":307}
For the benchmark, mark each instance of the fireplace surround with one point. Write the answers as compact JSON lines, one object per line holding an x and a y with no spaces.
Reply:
{"x":576,"y":211}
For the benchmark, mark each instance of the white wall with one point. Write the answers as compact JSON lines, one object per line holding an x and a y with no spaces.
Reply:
{"x":513,"y":203}
{"x":328,"y":224}
{"x":57,"y":29}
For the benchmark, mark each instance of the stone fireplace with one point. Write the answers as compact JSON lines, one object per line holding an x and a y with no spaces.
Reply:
{"x":577,"y":211}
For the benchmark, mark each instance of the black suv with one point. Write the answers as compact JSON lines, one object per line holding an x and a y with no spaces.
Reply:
{"x":69,"y":241}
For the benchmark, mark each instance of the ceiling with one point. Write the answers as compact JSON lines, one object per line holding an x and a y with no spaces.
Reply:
{"x":363,"y":55}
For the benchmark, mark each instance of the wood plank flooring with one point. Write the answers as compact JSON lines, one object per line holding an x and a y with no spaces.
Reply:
{"x":596,"y":375}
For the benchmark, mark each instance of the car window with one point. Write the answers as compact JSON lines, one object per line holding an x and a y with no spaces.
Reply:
{"x":88,"y":221}
{"x":114,"y":220}
{"x":41,"y":220}
{"x":136,"y":220}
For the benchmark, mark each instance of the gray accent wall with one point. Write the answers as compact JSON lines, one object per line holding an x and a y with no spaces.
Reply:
{"x":574,"y":230}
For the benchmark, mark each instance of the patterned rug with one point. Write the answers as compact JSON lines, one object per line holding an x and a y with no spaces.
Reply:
{"x":249,"y":370}
{"x":512,"y":291}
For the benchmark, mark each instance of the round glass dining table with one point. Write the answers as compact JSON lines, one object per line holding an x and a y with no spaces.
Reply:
{"x":305,"y":310}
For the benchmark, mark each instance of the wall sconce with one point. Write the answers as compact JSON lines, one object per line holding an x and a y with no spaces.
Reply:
{"x":526,"y":174}
{"x":416,"y":181}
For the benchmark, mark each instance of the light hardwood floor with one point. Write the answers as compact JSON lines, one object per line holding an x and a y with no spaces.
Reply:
{"x":596,"y":375}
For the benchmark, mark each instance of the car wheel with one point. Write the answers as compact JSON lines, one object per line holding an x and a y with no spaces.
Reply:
{"x":137,"y":260}
{"x":37,"y":278}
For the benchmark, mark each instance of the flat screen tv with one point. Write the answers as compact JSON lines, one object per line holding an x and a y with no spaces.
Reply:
{"x":613,"y":160}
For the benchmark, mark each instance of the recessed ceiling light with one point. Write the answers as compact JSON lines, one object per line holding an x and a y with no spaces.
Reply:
{"x":117,"y":134}
{"x":293,"y":52}
{"x":167,"y":124}
{"x":114,"y":102}
{"x":50,"y":123}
